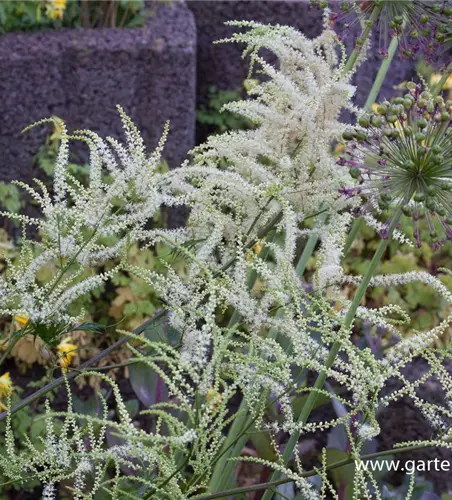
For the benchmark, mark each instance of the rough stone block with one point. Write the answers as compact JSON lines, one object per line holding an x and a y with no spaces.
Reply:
{"x":80,"y":75}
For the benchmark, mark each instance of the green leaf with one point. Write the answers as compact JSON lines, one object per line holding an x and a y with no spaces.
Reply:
{"x":144,"y":382}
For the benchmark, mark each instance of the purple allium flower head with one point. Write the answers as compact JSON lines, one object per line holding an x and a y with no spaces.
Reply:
{"x":424,"y":27}
{"x":401,"y":159}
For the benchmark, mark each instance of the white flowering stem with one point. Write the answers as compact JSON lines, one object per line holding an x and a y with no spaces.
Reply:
{"x":348,"y":322}
{"x":313,"y":472}
{"x":123,"y":340}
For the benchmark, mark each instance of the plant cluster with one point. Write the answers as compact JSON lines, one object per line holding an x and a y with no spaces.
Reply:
{"x":36,"y":15}
{"x":240,"y":322}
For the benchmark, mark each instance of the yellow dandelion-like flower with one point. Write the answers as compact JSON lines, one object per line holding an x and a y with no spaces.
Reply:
{"x":20,"y":320}
{"x":6,"y":387}
{"x":56,"y":8}
{"x":68,"y":351}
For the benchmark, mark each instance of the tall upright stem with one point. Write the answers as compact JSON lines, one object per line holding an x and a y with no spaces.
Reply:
{"x":439,"y":86}
{"x":222,"y":470}
{"x":382,"y":72}
{"x":365,"y":35}
{"x":348,"y":321}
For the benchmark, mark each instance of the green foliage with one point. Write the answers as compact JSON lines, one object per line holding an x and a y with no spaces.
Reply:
{"x":10,"y":197}
{"x":35,"y":15}
{"x":423,"y":305}
{"x":214,"y":118}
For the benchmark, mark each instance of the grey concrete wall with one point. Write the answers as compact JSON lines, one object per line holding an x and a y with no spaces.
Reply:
{"x":80,"y":76}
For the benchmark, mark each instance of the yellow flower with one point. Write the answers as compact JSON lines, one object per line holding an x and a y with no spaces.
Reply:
{"x":257,"y":247}
{"x":56,"y":8}
{"x":20,"y":321}
{"x":213,"y":398}
{"x":6,"y":387}
{"x":68,"y":352}
{"x":437,"y":77}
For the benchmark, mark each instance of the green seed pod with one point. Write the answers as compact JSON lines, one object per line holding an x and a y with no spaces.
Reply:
{"x":360,"y":135}
{"x":432,"y":190}
{"x":409,"y":165}
{"x":364,"y":121}
{"x":354,"y":172}
{"x":421,"y":103}
{"x":381,"y":110}
{"x":407,"y":103}
{"x":395,"y":109}
{"x":407,"y":210}
{"x":424,"y":19}
{"x":408,"y":131}
{"x":444,"y":116}
{"x":430,"y":204}
{"x":348,"y":135}
{"x":420,"y":136}
{"x":436,"y":149}
{"x":419,"y":197}
{"x":437,"y":159}
{"x":398,"y":100}
{"x":392,"y":118}
{"x":411,"y":86}
{"x":421,"y":123}
{"x":376,"y":121}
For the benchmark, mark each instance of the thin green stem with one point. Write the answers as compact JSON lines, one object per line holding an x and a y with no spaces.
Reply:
{"x":123,"y":340}
{"x":87,"y":364}
{"x":309,"y":248}
{"x":356,"y":228}
{"x":310,"y":473}
{"x":382,"y":72}
{"x":365,"y":35}
{"x":439,"y":86}
{"x":348,"y":321}
{"x":8,"y":350}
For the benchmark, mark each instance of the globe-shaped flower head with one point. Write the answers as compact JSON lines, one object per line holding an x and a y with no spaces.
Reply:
{"x":423,"y":27}
{"x":401,"y":159}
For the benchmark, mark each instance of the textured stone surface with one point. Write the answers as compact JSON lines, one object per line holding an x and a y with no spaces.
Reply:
{"x":221,"y":65}
{"x":80,"y":76}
